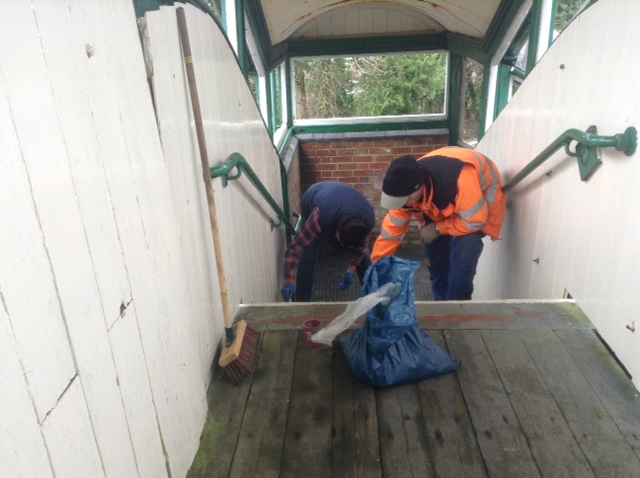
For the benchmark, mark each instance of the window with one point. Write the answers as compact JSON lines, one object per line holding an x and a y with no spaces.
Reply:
{"x":279,"y":104}
{"x":566,"y":11}
{"x":253,"y":79}
{"x":472,"y":101}
{"x":277,"y":95}
{"x":370,"y":86}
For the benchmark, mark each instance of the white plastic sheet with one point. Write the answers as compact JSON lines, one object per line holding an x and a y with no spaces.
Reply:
{"x":355,"y":309}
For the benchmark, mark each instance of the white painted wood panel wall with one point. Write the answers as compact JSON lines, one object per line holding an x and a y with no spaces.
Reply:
{"x":586,"y":235}
{"x":233,"y":123}
{"x":110,"y":312}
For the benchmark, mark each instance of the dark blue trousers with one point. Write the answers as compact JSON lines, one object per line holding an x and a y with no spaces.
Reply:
{"x":307,"y":271}
{"x":454,"y":261}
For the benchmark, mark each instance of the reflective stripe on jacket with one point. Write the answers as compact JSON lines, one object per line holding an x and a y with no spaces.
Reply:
{"x":462,"y":194}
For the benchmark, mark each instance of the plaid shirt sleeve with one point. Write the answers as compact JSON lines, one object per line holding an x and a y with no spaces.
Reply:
{"x":359,"y":252}
{"x":309,"y":233}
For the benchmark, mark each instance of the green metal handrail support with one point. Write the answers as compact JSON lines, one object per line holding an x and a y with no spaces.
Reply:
{"x":585,"y":152}
{"x":237,"y":161}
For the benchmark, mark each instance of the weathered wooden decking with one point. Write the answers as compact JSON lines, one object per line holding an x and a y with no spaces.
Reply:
{"x":537,"y":394}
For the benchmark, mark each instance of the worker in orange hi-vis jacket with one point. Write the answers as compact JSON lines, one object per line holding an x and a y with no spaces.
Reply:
{"x":456,"y":195}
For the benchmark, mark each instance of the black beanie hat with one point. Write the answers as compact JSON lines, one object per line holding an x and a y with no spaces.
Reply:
{"x":352,"y":231}
{"x":403,"y":178}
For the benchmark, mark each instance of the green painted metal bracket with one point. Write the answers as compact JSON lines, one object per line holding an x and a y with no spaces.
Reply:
{"x":585,"y":151}
{"x":236,"y":161}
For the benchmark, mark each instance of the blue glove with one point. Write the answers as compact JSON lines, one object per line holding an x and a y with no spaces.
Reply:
{"x":348,"y":280}
{"x":287,"y":292}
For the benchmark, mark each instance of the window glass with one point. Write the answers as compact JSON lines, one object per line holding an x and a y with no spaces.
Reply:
{"x":278,"y":95}
{"x":566,"y":10}
{"x":389,"y":85}
{"x":472,"y":101}
{"x":515,"y":84}
{"x":252,"y":80}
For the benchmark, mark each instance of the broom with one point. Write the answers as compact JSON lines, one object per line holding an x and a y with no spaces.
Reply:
{"x":240,"y":352}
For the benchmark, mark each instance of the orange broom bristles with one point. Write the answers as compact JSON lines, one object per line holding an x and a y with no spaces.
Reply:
{"x":238,"y":360}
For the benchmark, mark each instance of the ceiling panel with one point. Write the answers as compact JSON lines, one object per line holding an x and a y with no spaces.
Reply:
{"x":342,"y":19}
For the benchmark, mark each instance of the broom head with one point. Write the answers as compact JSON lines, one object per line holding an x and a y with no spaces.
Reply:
{"x":240,"y":353}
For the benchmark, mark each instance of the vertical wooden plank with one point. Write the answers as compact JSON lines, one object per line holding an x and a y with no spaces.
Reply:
{"x":90,"y":24}
{"x":393,"y":21}
{"x":65,"y":56}
{"x":620,"y":287}
{"x":550,"y":101}
{"x":307,"y":445}
{"x":28,"y":289}
{"x":452,"y":442}
{"x":137,"y":396}
{"x":605,"y":447}
{"x":500,"y":437}
{"x":356,"y":446}
{"x":184,"y":175}
{"x":614,"y":389}
{"x":550,"y":439}
{"x":366,"y":19}
{"x":233,"y":123}
{"x":32,"y":99}
{"x":337,"y":25}
{"x":260,"y":444}
{"x":142,"y":200}
{"x":20,"y":430}
{"x":70,"y":439}
{"x":404,"y":448}
{"x":185,"y":181}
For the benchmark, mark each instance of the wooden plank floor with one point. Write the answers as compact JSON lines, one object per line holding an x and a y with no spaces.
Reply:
{"x":537,"y":394}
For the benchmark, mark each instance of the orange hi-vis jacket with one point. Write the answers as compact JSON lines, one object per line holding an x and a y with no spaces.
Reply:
{"x":462,"y":194}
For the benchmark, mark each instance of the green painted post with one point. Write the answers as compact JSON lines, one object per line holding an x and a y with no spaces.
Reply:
{"x":271,"y":106}
{"x":552,"y":27}
{"x":502,"y":89}
{"x":534,"y":34}
{"x":289,"y":92}
{"x":242,"y":50}
{"x":455,"y":97}
{"x":223,"y":7}
{"x":269,"y":87}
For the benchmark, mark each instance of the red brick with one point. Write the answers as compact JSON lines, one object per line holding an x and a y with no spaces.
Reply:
{"x":345,"y":151}
{"x":362,"y":173}
{"x":341,"y":144}
{"x":342,"y":159}
{"x":380,"y":150}
{"x":324,"y":152}
{"x":326,"y":167}
{"x":402,"y":150}
{"x":342,"y":174}
{"x":379,"y":165}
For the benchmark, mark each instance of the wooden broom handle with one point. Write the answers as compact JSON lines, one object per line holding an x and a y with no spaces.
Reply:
{"x":204,"y":159}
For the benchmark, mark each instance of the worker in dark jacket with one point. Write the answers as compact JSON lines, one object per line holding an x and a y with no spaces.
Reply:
{"x":456,"y":196}
{"x":338,"y":215}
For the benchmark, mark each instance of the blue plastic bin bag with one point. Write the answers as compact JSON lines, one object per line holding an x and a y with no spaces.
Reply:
{"x":391,"y":347}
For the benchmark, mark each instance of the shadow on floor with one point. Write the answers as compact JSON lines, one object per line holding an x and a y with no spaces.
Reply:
{"x":332,"y":265}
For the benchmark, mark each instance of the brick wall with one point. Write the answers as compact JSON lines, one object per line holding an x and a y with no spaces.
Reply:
{"x":361,"y":163}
